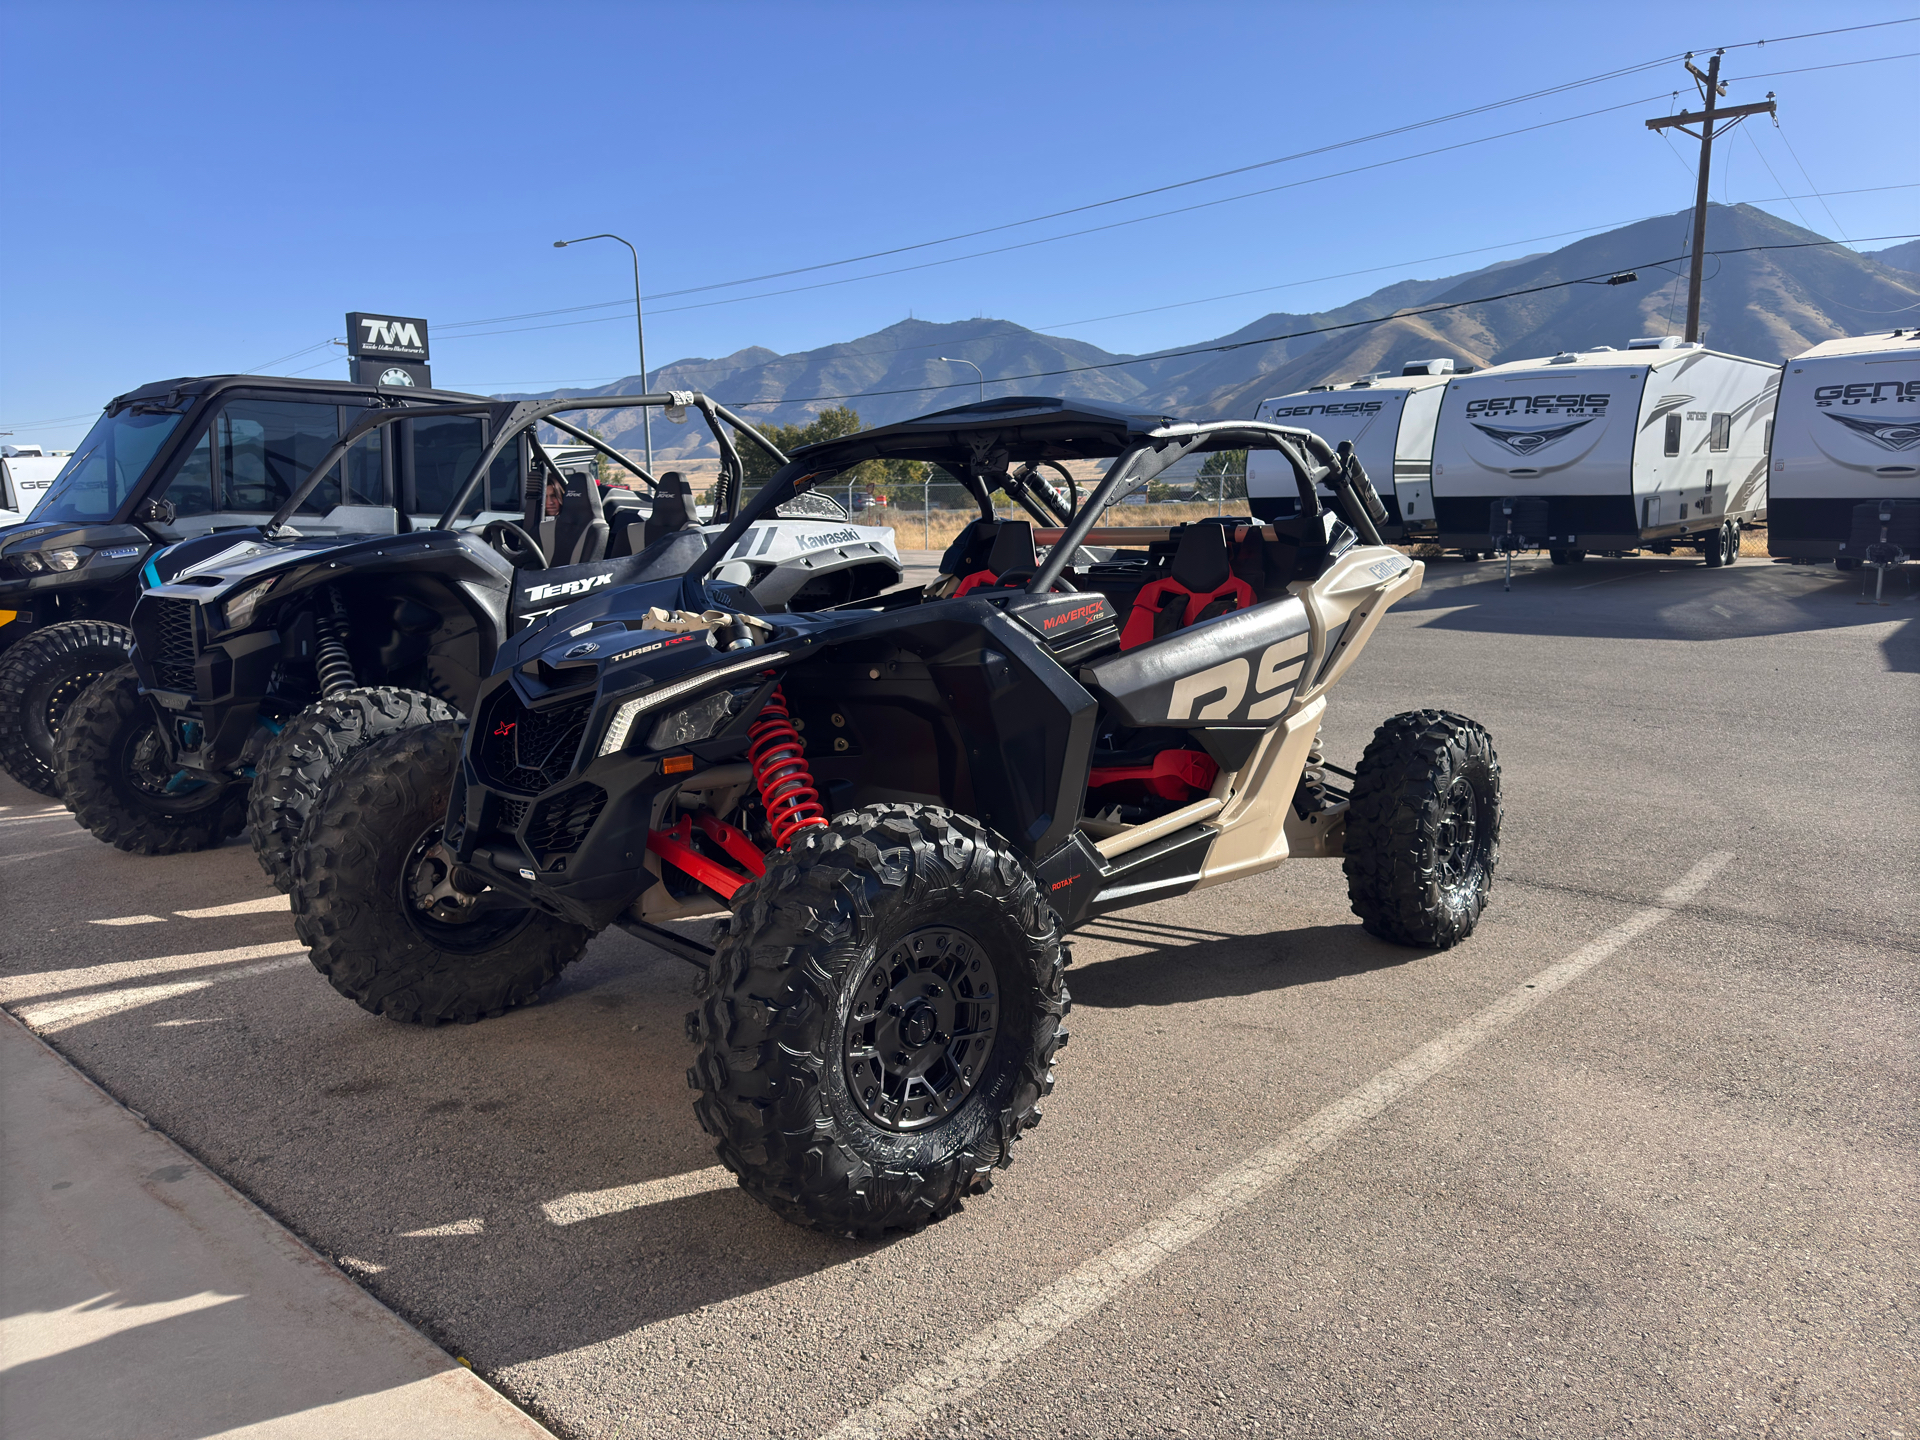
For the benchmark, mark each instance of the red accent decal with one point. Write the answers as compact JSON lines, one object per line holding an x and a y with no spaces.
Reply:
{"x":505,"y":727}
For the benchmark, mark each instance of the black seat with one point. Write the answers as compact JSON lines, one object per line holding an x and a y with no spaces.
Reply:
{"x":579,"y":530}
{"x":623,"y":509}
{"x":674,"y":508}
{"x":970,"y":548}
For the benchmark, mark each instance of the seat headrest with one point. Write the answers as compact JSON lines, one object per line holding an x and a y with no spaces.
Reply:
{"x":970,"y":548}
{"x":673,"y":507}
{"x":1200,"y":561}
{"x":1012,"y":547}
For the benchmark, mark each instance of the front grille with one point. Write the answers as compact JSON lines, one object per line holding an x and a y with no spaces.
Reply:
{"x":531,"y":750}
{"x":561,"y":822}
{"x":173,"y":650}
{"x":511,"y":813}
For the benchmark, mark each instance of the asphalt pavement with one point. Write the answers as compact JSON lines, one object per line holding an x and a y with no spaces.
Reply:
{"x":1637,"y":1159}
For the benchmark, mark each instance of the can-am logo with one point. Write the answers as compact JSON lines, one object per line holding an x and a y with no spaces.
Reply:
{"x":1589,"y":405}
{"x":1527,"y":442}
{"x":1885,"y":431}
{"x":569,"y":587}
{"x":1348,"y":407}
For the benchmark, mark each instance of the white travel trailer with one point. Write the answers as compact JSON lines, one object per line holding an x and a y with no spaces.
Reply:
{"x":1848,"y":433}
{"x":25,"y":473}
{"x":1389,"y":419}
{"x":1660,"y":445}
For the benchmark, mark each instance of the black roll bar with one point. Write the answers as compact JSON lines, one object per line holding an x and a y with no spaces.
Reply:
{"x":1312,"y":459}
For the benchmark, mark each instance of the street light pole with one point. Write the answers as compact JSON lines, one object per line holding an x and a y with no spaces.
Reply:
{"x":640,"y":330}
{"x":953,"y":360}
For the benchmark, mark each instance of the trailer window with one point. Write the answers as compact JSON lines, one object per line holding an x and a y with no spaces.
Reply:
{"x":1722,"y":433}
{"x":1673,"y":434}
{"x":268,"y":446}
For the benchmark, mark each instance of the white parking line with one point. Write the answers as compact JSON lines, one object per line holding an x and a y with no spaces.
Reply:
{"x":8,"y":821}
{"x":59,"y":1014}
{"x":244,"y":907}
{"x":592,"y":1204}
{"x":976,"y":1363}
{"x":57,"y":982}
{"x":132,"y":920}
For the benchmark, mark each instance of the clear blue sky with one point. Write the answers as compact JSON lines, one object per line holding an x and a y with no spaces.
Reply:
{"x":192,"y":189}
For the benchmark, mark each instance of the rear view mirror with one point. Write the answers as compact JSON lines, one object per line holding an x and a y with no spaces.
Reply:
{"x":155,"y":512}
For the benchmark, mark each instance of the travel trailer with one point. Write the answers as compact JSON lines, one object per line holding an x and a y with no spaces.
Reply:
{"x":1848,"y":433}
{"x":25,"y":473}
{"x":1389,"y":418}
{"x":1658,"y":446}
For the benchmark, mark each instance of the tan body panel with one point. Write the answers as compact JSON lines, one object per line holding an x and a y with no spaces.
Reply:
{"x":1258,"y":826}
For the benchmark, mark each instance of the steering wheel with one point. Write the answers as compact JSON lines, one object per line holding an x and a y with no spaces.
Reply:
{"x":520,"y":549}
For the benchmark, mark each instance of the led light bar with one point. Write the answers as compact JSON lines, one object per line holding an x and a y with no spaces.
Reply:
{"x":631,"y":710}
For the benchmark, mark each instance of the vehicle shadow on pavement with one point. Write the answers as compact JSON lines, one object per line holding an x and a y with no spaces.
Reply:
{"x":1645,"y":598}
{"x":1180,"y":971}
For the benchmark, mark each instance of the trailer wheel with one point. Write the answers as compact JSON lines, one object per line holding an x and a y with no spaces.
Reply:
{"x":1423,"y":829}
{"x":314,"y":744}
{"x":119,"y":784}
{"x":1718,"y":548}
{"x":374,"y":904}
{"x":1566,"y":557}
{"x":40,"y":679}
{"x":881,"y":1020}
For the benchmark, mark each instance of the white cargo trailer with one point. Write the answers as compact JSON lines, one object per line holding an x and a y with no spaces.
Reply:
{"x":1660,"y":445}
{"x":1848,"y":433}
{"x":1389,"y":419}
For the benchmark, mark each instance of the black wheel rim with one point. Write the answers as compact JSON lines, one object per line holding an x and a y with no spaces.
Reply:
{"x":52,"y":710}
{"x":920,"y":1029}
{"x":1461,"y":839}
{"x":154,"y":781}
{"x":440,"y":924}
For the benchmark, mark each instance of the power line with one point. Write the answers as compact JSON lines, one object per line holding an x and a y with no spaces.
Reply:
{"x":1561,"y":88}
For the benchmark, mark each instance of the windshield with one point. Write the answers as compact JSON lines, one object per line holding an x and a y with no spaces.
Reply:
{"x":106,"y":467}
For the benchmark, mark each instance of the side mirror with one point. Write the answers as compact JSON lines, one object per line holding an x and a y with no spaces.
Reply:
{"x":155,"y":512}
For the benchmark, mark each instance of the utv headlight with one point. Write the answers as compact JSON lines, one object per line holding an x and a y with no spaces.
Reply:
{"x":238,"y":612}
{"x":28,"y":562}
{"x":632,"y":710}
{"x":63,"y":560}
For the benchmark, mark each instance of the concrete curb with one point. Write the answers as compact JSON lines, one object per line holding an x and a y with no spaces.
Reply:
{"x":144,"y":1295}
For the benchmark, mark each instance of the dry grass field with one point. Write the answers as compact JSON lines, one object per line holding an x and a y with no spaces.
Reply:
{"x":914,"y":530}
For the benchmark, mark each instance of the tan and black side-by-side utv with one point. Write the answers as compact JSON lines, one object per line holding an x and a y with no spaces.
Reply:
{"x":901,"y":806}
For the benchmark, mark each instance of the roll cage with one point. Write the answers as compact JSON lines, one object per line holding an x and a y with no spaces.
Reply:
{"x":1002,"y":443}
{"x":508,"y":419}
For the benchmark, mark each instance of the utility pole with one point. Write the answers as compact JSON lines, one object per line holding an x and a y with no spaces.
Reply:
{"x":1710,"y":90}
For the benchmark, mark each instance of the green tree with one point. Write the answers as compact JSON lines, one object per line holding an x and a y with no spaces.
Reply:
{"x":1224,"y":475}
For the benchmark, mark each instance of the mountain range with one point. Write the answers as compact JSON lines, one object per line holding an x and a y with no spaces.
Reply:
{"x":1767,"y":303}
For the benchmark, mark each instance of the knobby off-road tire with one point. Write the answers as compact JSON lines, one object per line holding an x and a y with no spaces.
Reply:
{"x":1423,"y":830}
{"x":364,"y":848}
{"x":902,"y":953}
{"x":114,"y":776}
{"x":40,"y":678}
{"x":294,"y":770}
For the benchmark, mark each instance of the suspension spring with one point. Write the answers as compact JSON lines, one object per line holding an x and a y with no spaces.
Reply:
{"x":330,"y":657}
{"x":780,"y":769}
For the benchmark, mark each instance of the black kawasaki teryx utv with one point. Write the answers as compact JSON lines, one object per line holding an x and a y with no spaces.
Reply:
{"x":172,"y":461}
{"x":265,"y":656}
{"x":902,"y":805}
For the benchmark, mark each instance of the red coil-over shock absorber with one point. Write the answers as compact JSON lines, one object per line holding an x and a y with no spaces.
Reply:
{"x":781,"y":771}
